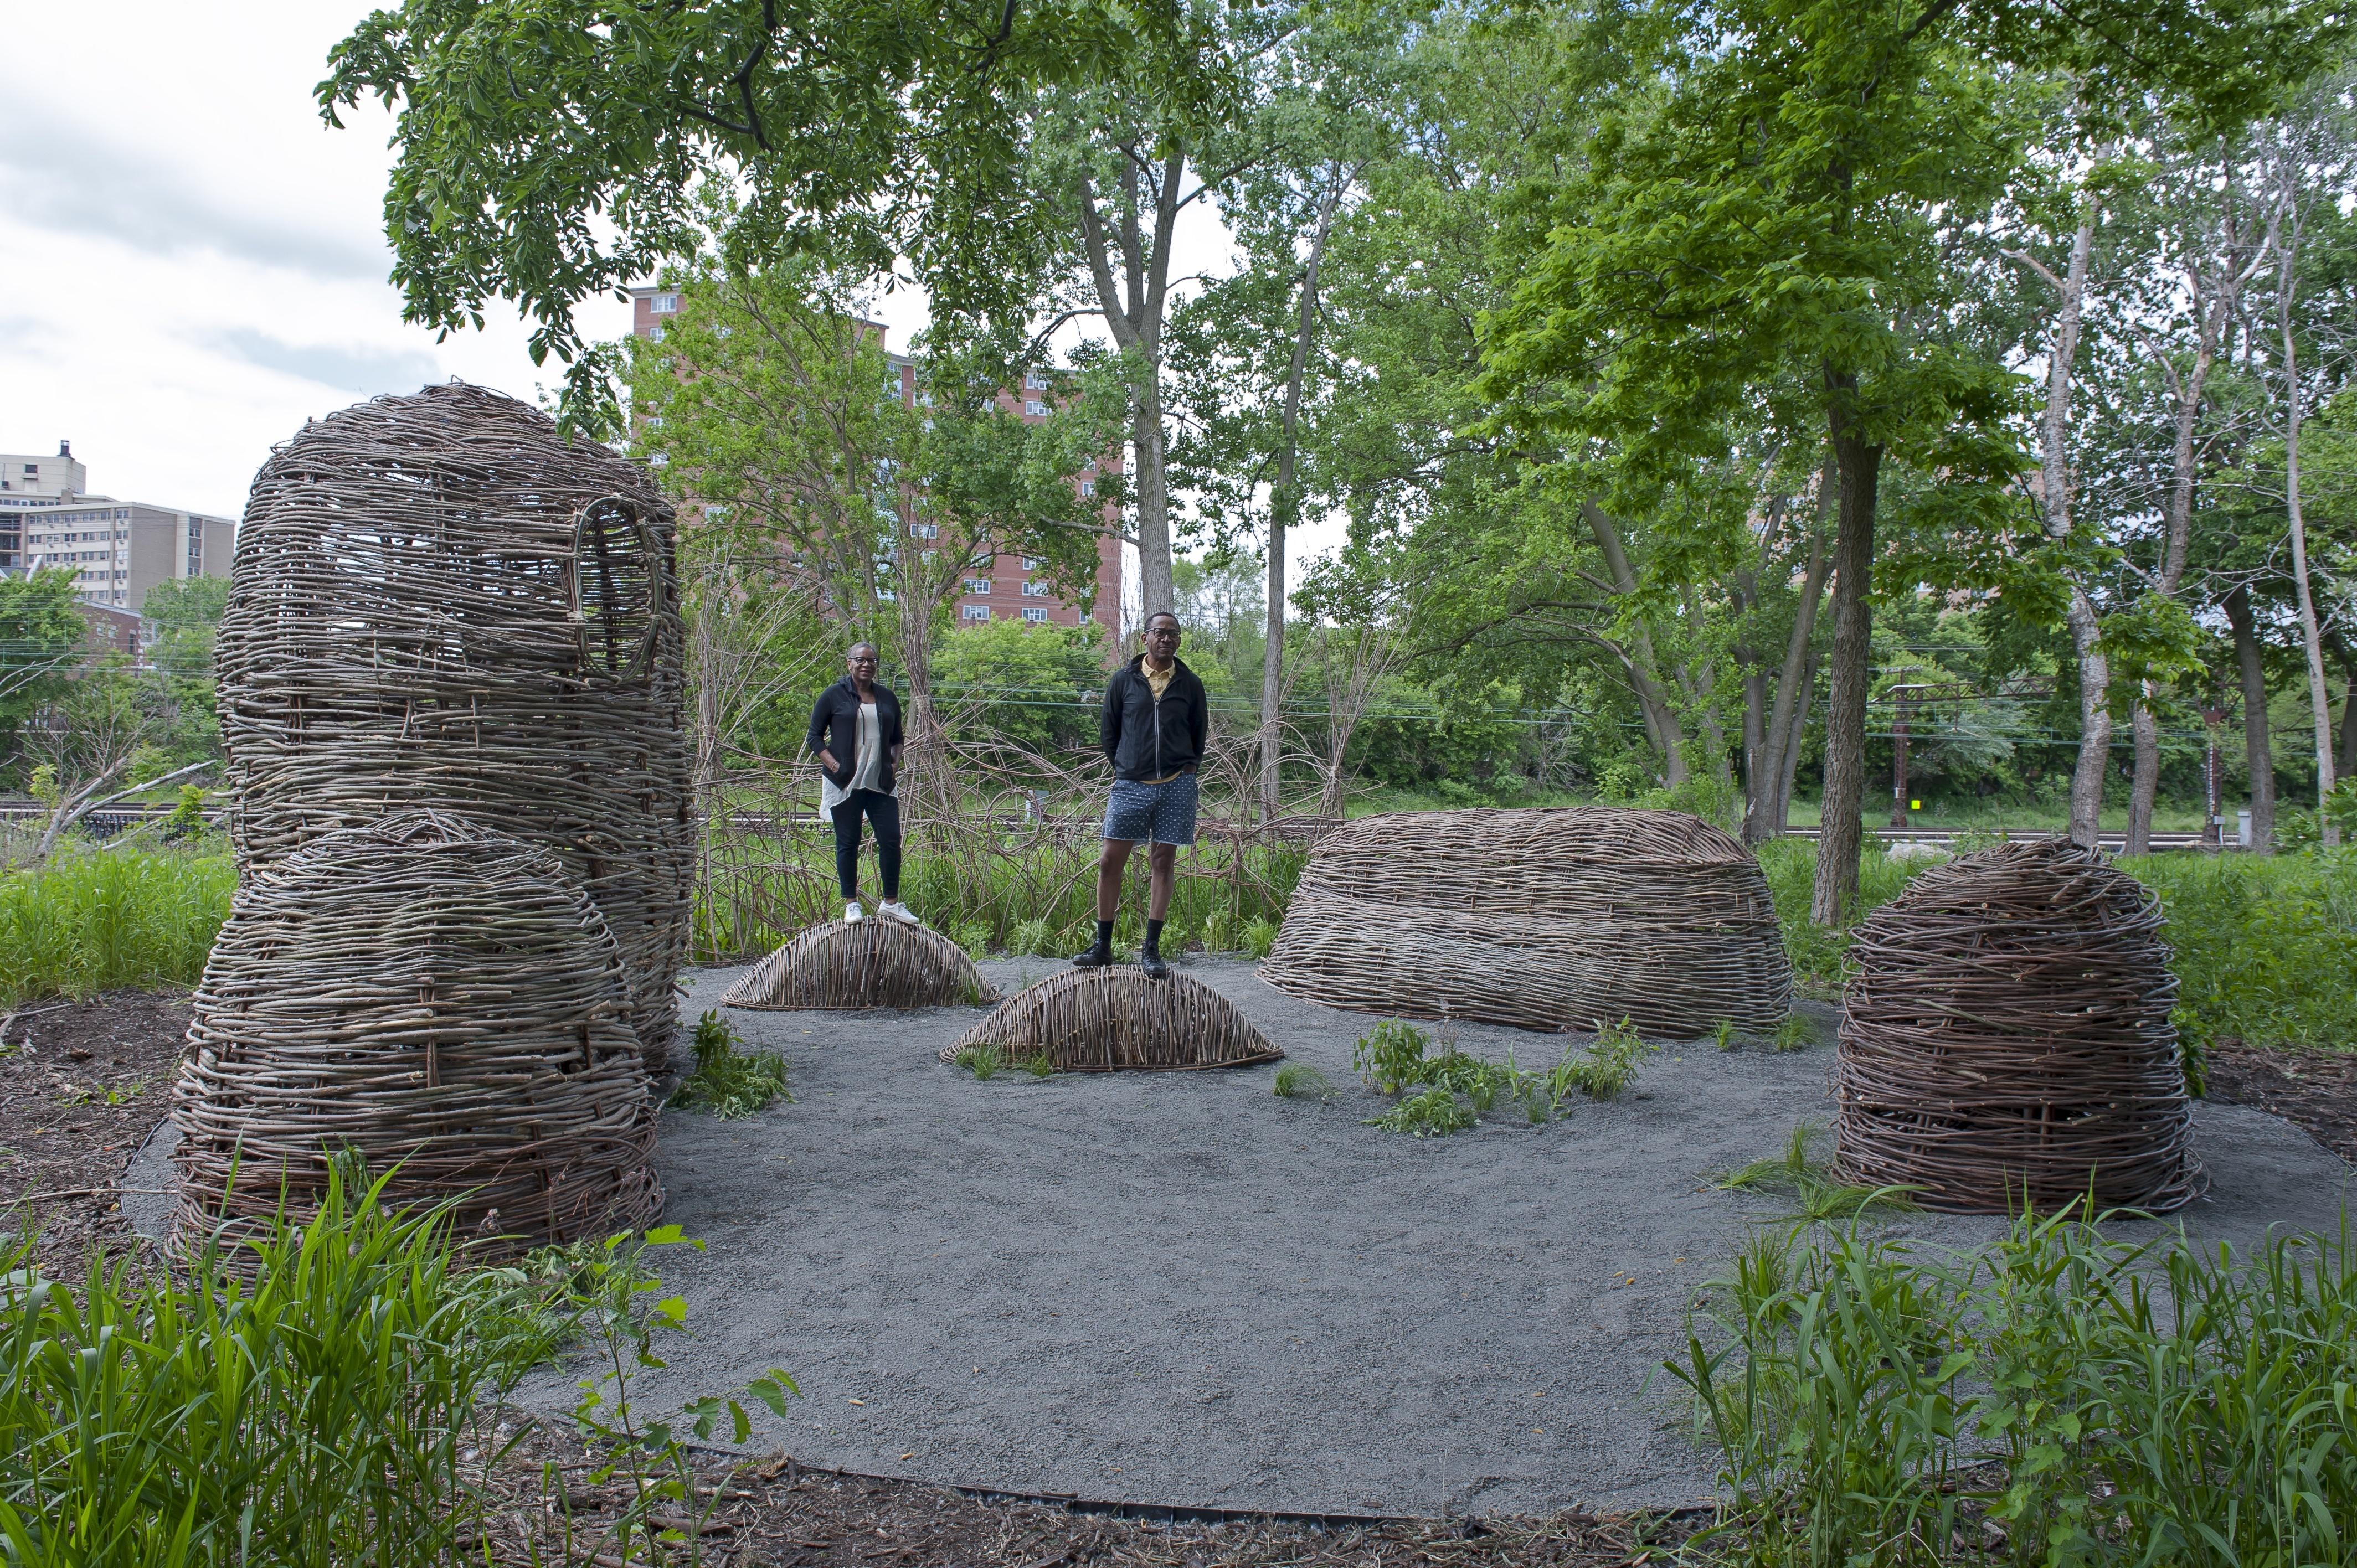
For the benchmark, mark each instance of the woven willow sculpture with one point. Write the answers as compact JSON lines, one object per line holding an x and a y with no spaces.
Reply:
{"x":1546,"y":919}
{"x":1112,"y":1020}
{"x":2005,"y":1038}
{"x":436,"y":602}
{"x":875,"y":964}
{"x":442,"y":1003}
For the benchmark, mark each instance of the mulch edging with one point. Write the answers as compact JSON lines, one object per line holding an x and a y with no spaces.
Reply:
{"x":2314,"y":1091}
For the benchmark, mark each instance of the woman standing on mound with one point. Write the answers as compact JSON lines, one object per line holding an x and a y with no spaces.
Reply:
{"x":854,"y":728}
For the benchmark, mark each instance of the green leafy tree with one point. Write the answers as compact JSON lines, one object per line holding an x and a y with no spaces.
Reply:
{"x":868,"y":129}
{"x":41,"y":638}
{"x":775,"y":413}
{"x":1040,"y":687}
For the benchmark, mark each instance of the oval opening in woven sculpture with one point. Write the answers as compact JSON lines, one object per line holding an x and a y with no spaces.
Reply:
{"x":2006,"y":1039}
{"x":439,"y":603}
{"x":441,"y":1003}
{"x":1115,"y":1020}
{"x":1543,"y":919}
{"x":871,"y":964}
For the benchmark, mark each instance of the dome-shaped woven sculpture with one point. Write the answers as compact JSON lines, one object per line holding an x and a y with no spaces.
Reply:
{"x":875,"y":964}
{"x":430,"y":996}
{"x":1112,"y":1020}
{"x":1546,"y":919}
{"x":2006,"y":1039}
{"x":438,"y":603}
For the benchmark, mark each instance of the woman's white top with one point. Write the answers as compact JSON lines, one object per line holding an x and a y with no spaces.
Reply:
{"x":866,"y":769}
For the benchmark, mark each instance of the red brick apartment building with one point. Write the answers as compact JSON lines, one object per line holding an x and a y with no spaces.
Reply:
{"x":1009,"y":588}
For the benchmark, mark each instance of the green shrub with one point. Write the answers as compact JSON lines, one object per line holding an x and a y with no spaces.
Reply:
{"x":1606,"y":1069}
{"x":1032,"y":936}
{"x":1390,"y":1056}
{"x":982,"y":1060}
{"x":1260,"y":937}
{"x":1794,"y":1033}
{"x":2265,"y":945}
{"x":733,"y":1085}
{"x":1854,"y":1385}
{"x":93,"y":921}
{"x":1038,"y":1064}
{"x":1435,"y":1114}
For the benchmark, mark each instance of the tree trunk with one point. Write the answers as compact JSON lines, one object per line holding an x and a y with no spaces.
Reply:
{"x":1768,"y":811}
{"x":1285,"y":505}
{"x":1153,"y":498}
{"x":2258,"y":747}
{"x":2349,"y":729}
{"x":1859,"y":465}
{"x":2146,"y":729}
{"x":1781,"y":819}
{"x":2094,"y":722}
{"x":1663,"y":725}
{"x":2319,"y":700}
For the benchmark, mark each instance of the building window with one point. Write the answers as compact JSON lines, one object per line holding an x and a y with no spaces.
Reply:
{"x":1035,"y":614}
{"x":1034,"y":588}
{"x":1088,"y":486}
{"x":975,"y":612}
{"x":977,"y":585}
{"x":665,"y":303}
{"x":656,"y":332}
{"x":1035,"y":380}
{"x":1034,"y":406}
{"x":926,"y":529}
{"x":1086,"y":618}
{"x":1032,"y":562}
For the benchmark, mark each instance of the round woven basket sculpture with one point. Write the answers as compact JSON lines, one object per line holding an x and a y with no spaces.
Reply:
{"x":1544,"y":919}
{"x":2005,"y":1041}
{"x":875,"y":964}
{"x":439,"y":603}
{"x":1116,"y":1020}
{"x":439,"y":1002}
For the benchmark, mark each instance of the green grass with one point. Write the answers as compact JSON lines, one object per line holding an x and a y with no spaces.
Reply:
{"x":95,"y":921}
{"x":1299,"y":1080}
{"x":732,"y":1084}
{"x":2046,"y":1400}
{"x":1808,"y":1184}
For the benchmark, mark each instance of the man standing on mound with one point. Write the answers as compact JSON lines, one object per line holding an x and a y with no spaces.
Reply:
{"x":1155,"y":724}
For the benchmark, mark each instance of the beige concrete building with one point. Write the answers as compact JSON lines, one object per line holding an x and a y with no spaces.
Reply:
{"x":116,"y":549}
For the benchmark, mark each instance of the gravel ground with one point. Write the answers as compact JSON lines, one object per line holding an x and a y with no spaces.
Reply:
{"x":1178,"y":1288}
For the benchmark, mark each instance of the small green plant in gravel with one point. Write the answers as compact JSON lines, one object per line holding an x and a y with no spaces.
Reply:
{"x":1817,"y":1195}
{"x":734,"y":1085}
{"x":982,"y":1060}
{"x":1723,"y":1036}
{"x":1794,"y":1033}
{"x":1606,"y":1069}
{"x":1038,"y":1064}
{"x":1390,"y":1056}
{"x":1435,"y":1114}
{"x":1299,"y":1080}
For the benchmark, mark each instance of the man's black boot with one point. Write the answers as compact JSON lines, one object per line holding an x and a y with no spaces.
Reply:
{"x":1150,"y":959}
{"x":1099,"y":953}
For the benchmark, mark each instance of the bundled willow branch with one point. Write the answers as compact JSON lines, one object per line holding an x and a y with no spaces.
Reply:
{"x":1111,"y":1020}
{"x":875,"y":964}
{"x":2005,"y":1038}
{"x":439,"y":1003}
{"x":1544,"y":919}
{"x":438,"y":603}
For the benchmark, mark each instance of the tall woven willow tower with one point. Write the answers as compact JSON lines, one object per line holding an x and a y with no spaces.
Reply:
{"x":439,"y":603}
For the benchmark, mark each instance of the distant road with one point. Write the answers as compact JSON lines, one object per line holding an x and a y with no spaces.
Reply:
{"x":2107,"y":839}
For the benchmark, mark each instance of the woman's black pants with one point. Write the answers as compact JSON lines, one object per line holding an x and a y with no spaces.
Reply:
{"x":884,"y":811}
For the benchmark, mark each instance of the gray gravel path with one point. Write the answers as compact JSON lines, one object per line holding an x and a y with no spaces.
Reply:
{"x":1178,"y":1288}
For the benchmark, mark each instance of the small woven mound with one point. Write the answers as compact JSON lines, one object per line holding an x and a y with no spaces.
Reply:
{"x":1116,"y":1020}
{"x":2006,"y":1039}
{"x":440,"y":604}
{"x":442,"y":1003}
{"x":876,"y":963}
{"x":1543,"y":919}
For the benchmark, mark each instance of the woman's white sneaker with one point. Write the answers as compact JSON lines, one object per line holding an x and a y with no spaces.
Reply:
{"x":853,"y":914}
{"x":893,"y":909}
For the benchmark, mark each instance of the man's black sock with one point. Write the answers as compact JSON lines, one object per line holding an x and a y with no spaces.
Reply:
{"x":1153,"y":935}
{"x":1104,"y":935}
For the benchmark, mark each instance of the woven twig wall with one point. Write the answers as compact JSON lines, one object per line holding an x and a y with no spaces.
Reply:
{"x":872,"y":963}
{"x":1546,"y":919}
{"x":438,"y":603}
{"x":2005,"y":1038}
{"x":439,"y":1000}
{"x":1112,"y":1020}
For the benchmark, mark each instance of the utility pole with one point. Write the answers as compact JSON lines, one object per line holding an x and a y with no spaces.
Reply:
{"x":1898,"y":760}
{"x":2213,"y":820}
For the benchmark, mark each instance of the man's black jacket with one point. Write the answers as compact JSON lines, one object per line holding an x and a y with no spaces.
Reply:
{"x":1149,"y":739}
{"x":834,"y":729}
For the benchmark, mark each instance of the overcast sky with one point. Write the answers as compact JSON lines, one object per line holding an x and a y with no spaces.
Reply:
{"x":191,"y":264}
